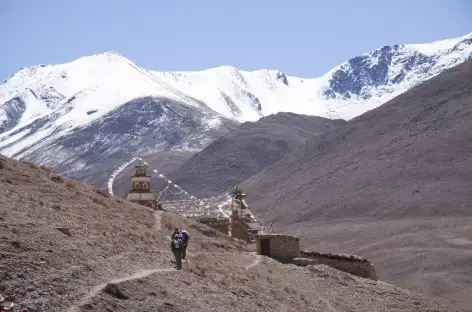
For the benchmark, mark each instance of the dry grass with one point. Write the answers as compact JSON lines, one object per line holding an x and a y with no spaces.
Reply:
{"x":167,"y":222}
{"x":34,"y":166}
{"x":289,"y":290}
{"x":57,"y":179}
{"x":99,"y":201}
{"x":47,"y":169}
{"x":70,"y":184}
{"x":101,"y":192}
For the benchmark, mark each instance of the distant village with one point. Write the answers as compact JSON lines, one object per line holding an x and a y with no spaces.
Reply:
{"x":239,"y":222}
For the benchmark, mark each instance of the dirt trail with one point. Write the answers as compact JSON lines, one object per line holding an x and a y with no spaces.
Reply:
{"x":95,"y":290}
{"x":141,"y":274}
{"x":328,"y":304}
{"x":254,"y":263}
{"x":157,"y":221}
{"x":258,"y":260}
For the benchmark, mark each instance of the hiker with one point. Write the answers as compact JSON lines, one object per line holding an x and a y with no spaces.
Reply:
{"x":185,"y":241}
{"x":177,"y":245}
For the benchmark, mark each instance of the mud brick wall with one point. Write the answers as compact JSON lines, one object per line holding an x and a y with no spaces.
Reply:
{"x":347,"y":263}
{"x":239,"y":230}
{"x":282,"y":247}
{"x":219,"y":225}
{"x":222,"y":226}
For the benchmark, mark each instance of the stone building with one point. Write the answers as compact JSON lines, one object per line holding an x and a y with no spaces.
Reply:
{"x":239,"y":229}
{"x":141,"y":187}
{"x":286,"y":249}
{"x":281,"y":247}
{"x":243,"y":225}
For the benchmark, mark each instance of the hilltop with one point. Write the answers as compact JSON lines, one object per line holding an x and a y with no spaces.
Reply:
{"x":62,"y":241}
{"x":393,"y":183}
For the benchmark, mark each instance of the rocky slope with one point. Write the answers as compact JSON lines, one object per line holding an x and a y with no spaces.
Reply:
{"x":400,"y":169}
{"x":44,"y":108}
{"x":247,"y":150}
{"x":65,"y":246}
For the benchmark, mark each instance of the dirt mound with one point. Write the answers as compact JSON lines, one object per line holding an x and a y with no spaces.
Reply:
{"x":406,"y":160}
{"x":65,"y":246}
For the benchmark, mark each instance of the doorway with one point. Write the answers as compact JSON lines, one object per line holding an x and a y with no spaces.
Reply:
{"x":265,"y":247}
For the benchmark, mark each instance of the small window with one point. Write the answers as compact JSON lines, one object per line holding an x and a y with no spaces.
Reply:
{"x":137,"y":186}
{"x":145,"y":186}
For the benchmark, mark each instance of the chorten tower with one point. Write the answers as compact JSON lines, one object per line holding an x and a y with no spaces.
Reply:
{"x":140,"y":192}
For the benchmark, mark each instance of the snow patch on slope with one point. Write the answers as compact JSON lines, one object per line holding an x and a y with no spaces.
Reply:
{"x":62,"y":98}
{"x":436,"y":46}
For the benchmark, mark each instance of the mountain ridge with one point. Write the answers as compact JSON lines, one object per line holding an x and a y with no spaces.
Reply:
{"x":43,"y":104}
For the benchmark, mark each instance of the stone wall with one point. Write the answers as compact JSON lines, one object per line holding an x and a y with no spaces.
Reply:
{"x":239,"y":230}
{"x":222,"y":226}
{"x":147,"y":203}
{"x":147,"y":196}
{"x":354,"y":265}
{"x":282,"y":247}
{"x":219,"y":225}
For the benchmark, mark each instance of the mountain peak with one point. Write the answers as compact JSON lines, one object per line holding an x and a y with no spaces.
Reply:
{"x":105,"y":56}
{"x":222,"y":69}
{"x":391,"y":70}
{"x":110,"y":53}
{"x":105,"y":81}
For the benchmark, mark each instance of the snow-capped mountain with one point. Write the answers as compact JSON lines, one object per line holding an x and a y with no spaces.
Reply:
{"x":391,"y":70}
{"x":105,"y":107}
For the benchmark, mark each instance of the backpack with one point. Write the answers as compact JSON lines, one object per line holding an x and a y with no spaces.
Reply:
{"x":185,"y":235}
{"x":177,"y":243}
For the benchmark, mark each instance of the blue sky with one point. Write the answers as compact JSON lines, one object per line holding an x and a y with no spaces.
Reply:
{"x":301,"y":38}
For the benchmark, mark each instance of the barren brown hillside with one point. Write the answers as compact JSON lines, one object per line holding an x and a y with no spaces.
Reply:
{"x":247,"y":150}
{"x":394,"y":183}
{"x":65,"y":246}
